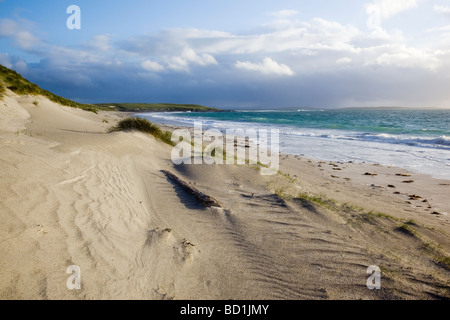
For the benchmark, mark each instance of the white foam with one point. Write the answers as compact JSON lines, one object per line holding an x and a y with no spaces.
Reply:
{"x":429,"y":155}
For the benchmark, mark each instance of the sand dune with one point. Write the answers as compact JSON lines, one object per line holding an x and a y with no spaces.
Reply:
{"x":73,"y":194}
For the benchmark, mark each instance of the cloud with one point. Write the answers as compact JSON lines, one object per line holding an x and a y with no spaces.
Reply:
{"x":445,"y":31}
{"x":5,"y":60}
{"x":23,"y":38}
{"x":14,"y":62}
{"x":380,"y":10}
{"x":204,"y":45}
{"x":204,"y":59}
{"x":21,"y":66}
{"x":190,"y":57}
{"x":101,"y":42}
{"x":412,"y":58}
{"x":284,"y":14}
{"x":152,"y":66}
{"x":315,"y":62}
{"x":268,"y":66}
{"x":345,"y":60}
{"x":442,"y":10}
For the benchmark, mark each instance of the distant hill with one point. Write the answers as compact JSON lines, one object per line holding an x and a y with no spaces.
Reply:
{"x":21,"y":86}
{"x":15,"y":82}
{"x":155,"y":107}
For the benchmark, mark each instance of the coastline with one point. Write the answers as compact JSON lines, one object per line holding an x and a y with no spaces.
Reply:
{"x":73,"y":194}
{"x":411,"y":148}
{"x":390,"y":180}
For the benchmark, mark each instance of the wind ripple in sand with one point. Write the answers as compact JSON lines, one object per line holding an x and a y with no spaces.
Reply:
{"x":72,"y":180}
{"x":135,"y":235}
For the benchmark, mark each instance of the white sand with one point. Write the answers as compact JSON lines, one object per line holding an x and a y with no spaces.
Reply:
{"x":73,"y":194}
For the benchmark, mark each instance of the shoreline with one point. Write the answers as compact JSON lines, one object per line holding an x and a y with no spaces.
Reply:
{"x":390,"y":179}
{"x":73,"y":194}
{"x":423,"y":159}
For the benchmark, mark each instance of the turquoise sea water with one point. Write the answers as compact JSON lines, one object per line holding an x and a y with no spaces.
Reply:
{"x":418,"y":140}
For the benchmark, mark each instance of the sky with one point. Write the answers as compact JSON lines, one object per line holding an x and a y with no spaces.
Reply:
{"x":234,"y":54}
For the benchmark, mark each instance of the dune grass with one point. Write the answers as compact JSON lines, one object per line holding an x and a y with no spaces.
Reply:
{"x":143,"y":125}
{"x":21,"y":86}
{"x":406,"y":229}
{"x":320,"y":200}
{"x":2,"y":89}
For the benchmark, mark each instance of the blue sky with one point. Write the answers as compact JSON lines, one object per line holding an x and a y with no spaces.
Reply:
{"x":233,"y":54}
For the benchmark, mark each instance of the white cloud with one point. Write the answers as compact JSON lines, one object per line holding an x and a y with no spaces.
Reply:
{"x":178,"y":64}
{"x":63,"y":56}
{"x":284,"y":14}
{"x":442,"y":9}
{"x":444,"y":29}
{"x":268,"y":66}
{"x":188,"y":57}
{"x":23,"y":38}
{"x":406,"y":57}
{"x":203,"y":59}
{"x":299,"y":35}
{"x":5,"y":60}
{"x":21,"y":66}
{"x":152,"y":66}
{"x":308,"y":47}
{"x":345,"y":60}
{"x":308,"y":54}
{"x":13,"y":62}
{"x":101,"y":42}
{"x":380,"y":10}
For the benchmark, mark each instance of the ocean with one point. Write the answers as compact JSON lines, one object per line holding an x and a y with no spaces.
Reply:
{"x":416,"y":140}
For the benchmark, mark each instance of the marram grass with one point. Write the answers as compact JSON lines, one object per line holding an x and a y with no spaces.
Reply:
{"x":143,"y":125}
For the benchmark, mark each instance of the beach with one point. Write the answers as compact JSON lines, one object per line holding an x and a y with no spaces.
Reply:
{"x":73,"y":194}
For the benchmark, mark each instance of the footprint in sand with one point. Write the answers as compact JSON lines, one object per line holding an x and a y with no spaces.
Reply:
{"x":14,"y":142}
{"x":184,"y":251}
{"x":187,"y":250}
{"x":41,"y":229}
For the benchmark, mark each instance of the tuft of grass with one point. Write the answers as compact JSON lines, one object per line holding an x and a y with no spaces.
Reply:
{"x":319,"y":200}
{"x":2,"y":89}
{"x":166,"y":136}
{"x":439,"y":256}
{"x":443,"y":261}
{"x":143,"y":125}
{"x":282,"y":194}
{"x":411,"y":222}
{"x":35,"y":102}
{"x":407,"y":230}
{"x":372,"y":215}
{"x":285,"y":175}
